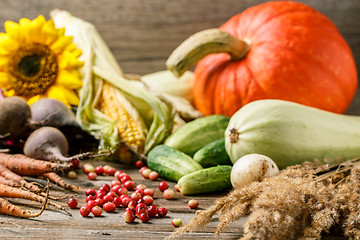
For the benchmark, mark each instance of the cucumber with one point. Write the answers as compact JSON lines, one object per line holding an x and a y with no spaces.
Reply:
{"x":208,"y":180}
{"x":213,"y":154}
{"x":170,"y":163}
{"x":194,"y":135}
{"x":290,"y":133}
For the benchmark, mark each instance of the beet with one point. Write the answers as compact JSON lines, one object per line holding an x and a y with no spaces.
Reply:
{"x":49,"y":143}
{"x":15,"y":117}
{"x":52,"y":112}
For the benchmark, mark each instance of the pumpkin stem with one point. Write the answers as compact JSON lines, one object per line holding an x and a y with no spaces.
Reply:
{"x":234,"y":135}
{"x":203,"y":43}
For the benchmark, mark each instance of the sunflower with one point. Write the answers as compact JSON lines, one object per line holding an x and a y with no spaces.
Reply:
{"x":37,"y":60}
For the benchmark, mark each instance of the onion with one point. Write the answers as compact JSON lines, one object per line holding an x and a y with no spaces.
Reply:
{"x":252,"y":167}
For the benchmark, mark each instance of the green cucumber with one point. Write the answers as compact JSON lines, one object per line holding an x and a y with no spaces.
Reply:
{"x":213,"y":154}
{"x":194,"y":135}
{"x":170,"y":163}
{"x":208,"y":180}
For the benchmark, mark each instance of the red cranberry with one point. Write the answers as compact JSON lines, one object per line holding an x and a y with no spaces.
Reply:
{"x":72,"y":203}
{"x":90,"y":191}
{"x":109,"y":207}
{"x":91,"y":204}
{"x":125,"y":178}
{"x":162,"y":212}
{"x":129,"y":185}
{"x":129,"y":217}
{"x":117,"y":201}
{"x":90,"y":197}
{"x":85,"y":211}
{"x":92,"y":175}
{"x":152,"y":210}
{"x":96,"y":211}
{"x":163,"y":186}
{"x":122,"y":191}
{"x":148,"y":200}
{"x":75,"y":163}
{"x":139,"y":164}
{"x":99,"y":202}
{"x":132,"y":204}
{"x":99,"y":170}
{"x":108,"y":198}
{"x":110,"y":171}
{"x":144,"y":217}
{"x":149,"y":191}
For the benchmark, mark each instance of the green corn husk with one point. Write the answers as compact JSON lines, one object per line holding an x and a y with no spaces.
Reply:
{"x":100,"y":65}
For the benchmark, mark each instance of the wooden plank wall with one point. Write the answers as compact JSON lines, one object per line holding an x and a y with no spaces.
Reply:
{"x":143,"y":33}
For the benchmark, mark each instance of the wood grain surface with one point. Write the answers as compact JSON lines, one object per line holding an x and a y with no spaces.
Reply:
{"x":143,"y":33}
{"x":53,"y":224}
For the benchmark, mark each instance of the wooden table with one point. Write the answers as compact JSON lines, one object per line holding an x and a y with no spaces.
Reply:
{"x":53,"y":224}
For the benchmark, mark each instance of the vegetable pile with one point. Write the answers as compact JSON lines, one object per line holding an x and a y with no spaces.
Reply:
{"x":28,"y":153}
{"x":260,"y":119}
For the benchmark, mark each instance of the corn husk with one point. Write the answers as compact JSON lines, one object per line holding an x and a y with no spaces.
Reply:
{"x":100,"y":65}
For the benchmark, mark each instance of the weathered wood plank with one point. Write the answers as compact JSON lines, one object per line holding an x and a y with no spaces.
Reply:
{"x":53,"y":224}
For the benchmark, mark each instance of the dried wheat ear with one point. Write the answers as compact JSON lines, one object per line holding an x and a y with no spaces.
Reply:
{"x":302,"y":202}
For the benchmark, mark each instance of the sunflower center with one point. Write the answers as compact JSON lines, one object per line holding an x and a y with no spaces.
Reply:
{"x":30,"y":65}
{"x":32,"y":70}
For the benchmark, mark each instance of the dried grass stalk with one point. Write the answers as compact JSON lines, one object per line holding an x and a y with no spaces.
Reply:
{"x":302,"y":202}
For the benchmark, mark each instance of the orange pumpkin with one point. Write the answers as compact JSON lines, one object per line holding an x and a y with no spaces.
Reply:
{"x":279,"y":50}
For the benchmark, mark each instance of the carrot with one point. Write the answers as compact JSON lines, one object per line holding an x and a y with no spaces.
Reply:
{"x":9,"y":175}
{"x":11,"y":192}
{"x":8,"y":182}
{"x":61,"y":182}
{"x":10,"y":209}
{"x":26,"y":166}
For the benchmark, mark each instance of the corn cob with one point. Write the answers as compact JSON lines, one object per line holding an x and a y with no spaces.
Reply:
{"x":131,"y":130}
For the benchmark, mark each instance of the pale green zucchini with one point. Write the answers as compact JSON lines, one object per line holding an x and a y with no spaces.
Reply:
{"x":290,"y":133}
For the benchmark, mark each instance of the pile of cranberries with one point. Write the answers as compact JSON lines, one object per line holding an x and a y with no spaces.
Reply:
{"x":122,"y":192}
{"x":138,"y":203}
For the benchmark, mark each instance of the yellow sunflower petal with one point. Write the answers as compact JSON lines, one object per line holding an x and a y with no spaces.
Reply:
{"x":68,"y":60}
{"x":61,"y":43}
{"x":72,"y":97}
{"x":9,"y":93}
{"x":34,"y":99}
{"x":7,"y":44}
{"x":56,"y":91}
{"x":74,"y":50}
{"x":3,"y":80}
{"x":38,"y":22}
{"x":35,"y":32}
{"x":24,"y":22}
{"x":13,"y":29}
{"x":70,"y":79}
{"x":25,"y":25}
{"x":67,"y":96}
{"x":3,"y":62}
{"x":49,"y":32}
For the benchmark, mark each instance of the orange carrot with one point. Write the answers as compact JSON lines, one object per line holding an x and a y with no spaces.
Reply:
{"x":9,"y":182}
{"x":11,"y":192}
{"x":9,"y":175}
{"x":10,"y":209}
{"x":26,"y":166}
{"x":61,"y":182}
